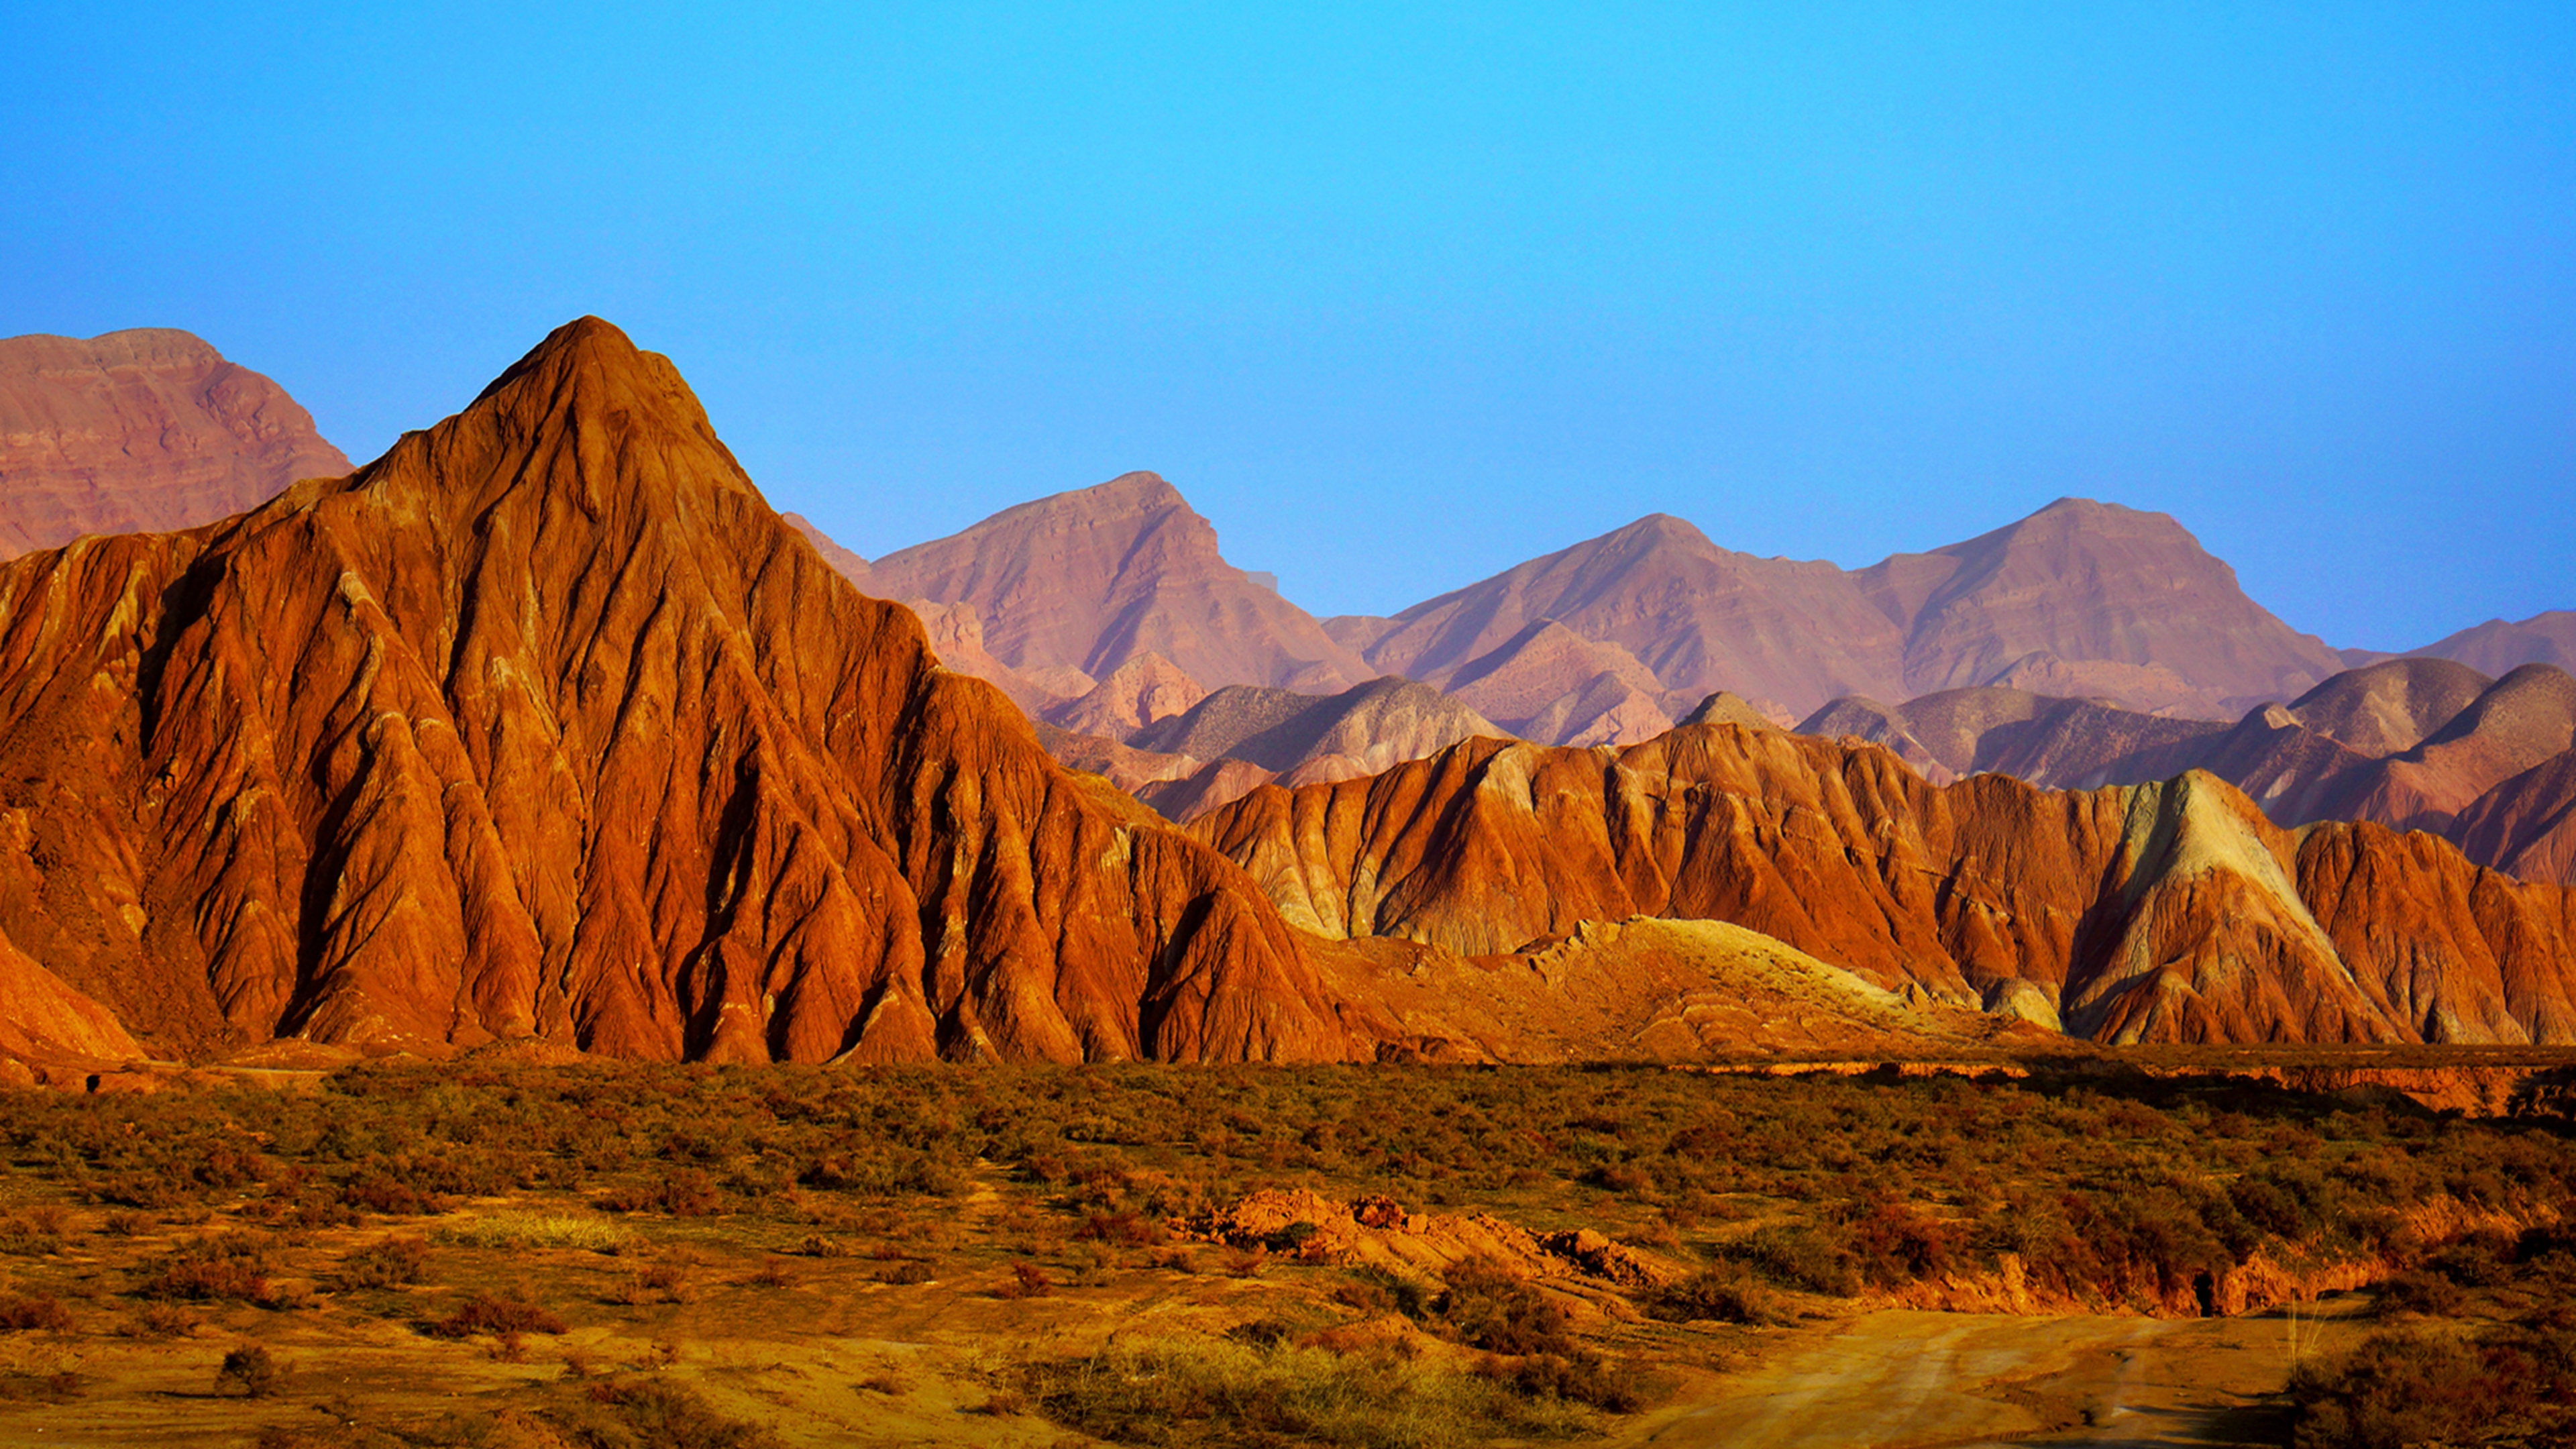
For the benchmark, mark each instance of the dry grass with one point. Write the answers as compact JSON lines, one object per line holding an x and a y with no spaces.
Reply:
{"x":1206,"y":1392}
{"x":519,"y":1231}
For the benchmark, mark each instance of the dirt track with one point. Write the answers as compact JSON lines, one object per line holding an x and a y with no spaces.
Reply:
{"x":1911,"y":1380}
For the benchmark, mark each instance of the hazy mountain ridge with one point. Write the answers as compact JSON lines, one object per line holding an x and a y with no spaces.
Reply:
{"x":147,"y":429}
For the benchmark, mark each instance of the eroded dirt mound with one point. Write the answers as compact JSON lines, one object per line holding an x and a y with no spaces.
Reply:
{"x":1380,"y":1232}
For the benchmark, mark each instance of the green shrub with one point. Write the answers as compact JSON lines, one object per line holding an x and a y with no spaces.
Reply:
{"x":1194,"y":1392}
{"x":251,"y":1369}
{"x":499,"y":1317}
{"x":38,"y":1311}
{"x":1795,"y":1256}
{"x":1716,"y":1294}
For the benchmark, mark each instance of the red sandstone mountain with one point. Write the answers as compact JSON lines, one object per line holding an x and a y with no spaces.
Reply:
{"x":2080,"y":598}
{"x":2151,"y":913}
{"x":543,"y":724}
{"x":849,"y":565}
{"x":2527,"y":825}
{"x":2497,"y":647}
{"x":1093,"y":578}
{"x":149,"y":429}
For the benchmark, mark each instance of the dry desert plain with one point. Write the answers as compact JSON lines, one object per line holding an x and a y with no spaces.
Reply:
{"x":499,"y":1252}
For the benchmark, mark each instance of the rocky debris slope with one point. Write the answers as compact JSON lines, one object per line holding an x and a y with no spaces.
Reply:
{"x":149,"y":429}
{"x":2169,"y":912}
{"x":545,"y":725}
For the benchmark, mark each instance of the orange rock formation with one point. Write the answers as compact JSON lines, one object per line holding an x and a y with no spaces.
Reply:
{"x":544,"y":724}
{"x":2158,"y":913}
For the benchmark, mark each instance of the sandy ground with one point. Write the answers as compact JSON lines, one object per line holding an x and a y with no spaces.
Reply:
{"x":1905,"y":1378}
{"x":1886,"y":1379}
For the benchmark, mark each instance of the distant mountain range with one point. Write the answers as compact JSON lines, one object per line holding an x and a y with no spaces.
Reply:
{"x":544,"y":727}
{"x":2088,"y":644}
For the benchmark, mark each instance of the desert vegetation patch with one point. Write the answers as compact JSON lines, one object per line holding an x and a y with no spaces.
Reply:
{"x":1237,"y":1255}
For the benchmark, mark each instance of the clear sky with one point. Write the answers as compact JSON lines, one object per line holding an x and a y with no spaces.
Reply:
{"x":1399,"y":296}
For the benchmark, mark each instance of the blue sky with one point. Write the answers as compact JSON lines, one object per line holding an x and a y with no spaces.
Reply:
{"x":1400,"y":296}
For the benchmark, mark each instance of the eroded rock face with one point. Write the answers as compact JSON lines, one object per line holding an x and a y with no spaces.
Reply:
{"x":2172,"y":912}
{"x":545,"y":725}
{"x":149,"y":429}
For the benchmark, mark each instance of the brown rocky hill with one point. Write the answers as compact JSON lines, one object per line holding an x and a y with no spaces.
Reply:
{"x":2170,"y":912}
{"x":2391,"y":707}
{"x":544,"y":724}
{"x":1700,"y":617}
{"x":2090,"y":599}
{"x":2498,"y":647}
{"x":1724,"y":707}
{"x":2080,"y":598}
{"x":2513,"y":725}
{"x":1093,"y":578}
{"x":2527,"y":825}
{"x":149,"y":429}
{"x":2406,"y":742}
{"x":1858,"y":717}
